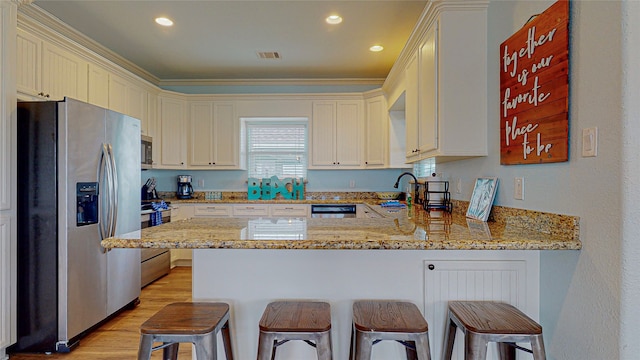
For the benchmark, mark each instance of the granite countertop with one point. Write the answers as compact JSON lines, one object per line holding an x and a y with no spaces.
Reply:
{"x":401,"y":229}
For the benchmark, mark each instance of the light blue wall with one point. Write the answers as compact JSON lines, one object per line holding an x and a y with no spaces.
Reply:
{"x":319,"y":180}
{"x":580,"y":291}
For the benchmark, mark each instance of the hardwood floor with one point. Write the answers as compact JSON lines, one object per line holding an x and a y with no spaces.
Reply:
{"x":118,"y":338}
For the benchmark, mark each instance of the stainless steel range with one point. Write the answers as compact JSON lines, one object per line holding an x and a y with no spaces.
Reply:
{"x":155,"y":263}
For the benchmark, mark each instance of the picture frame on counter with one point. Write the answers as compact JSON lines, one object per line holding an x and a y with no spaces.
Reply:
{"x":484,"y":191}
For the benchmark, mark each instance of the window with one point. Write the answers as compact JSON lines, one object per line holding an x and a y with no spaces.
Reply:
{"x":276,"y":147}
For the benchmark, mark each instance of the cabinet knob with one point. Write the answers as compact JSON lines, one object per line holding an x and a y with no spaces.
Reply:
{"x":431,"y":267}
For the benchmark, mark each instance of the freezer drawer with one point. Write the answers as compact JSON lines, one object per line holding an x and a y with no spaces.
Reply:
{"x":155,"y":267}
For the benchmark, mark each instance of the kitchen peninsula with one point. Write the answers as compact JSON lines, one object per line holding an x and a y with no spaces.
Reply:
{"x":413,"y":255}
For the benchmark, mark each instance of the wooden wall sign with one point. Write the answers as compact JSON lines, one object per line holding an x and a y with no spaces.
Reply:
{"x":534,"y":90}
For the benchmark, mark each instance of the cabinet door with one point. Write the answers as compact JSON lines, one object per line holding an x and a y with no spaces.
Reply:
{"x":428,"y":127}
{"x":181,"y":212}
{"x":218,"y":210}
{"x":470,"y":280}
{"x":7,"y":283}
{"x":376,"y":139}
{"x":201,"y":127}
{"x":63,"y":74}
{"x":226,"y":136}
{"x":98,"y":86}
{"x":411,"y":109}
{"x":28,"y":65}
{"x":251,"y":210}
{"x":173,"y":134}
{"x":117,"y":94}
{"x":129,"y":99}
{"x":137,"y":104}
{"x":290,"y":210}
{"x":349,"y":133}
{"x":323,"y":134}
{"x":152,"y":127}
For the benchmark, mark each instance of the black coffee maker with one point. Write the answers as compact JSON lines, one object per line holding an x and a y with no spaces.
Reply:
{"x":185,"y":190}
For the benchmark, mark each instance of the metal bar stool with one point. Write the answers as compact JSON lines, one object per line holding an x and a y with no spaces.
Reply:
{"x":374,"y":321}
{"x":283,"y":321}
{"x":186,"y":322}
{"x":489,"y":321}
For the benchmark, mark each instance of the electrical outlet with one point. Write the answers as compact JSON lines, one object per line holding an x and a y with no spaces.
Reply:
{"x":459,"y":186}
{"x":201,"y":183}
{"x":352,"y":183}
{"x":518,"y":188}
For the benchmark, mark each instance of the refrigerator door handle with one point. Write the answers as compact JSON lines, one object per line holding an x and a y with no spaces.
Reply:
{"x":103,"y":189}
{"x":114,"y":191}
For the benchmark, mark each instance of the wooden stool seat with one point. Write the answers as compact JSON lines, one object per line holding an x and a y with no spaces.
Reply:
{"x":375,"y":320}
{"x":197,"y":323}
{"x":283,"y":321}
{"x":489,"y":321}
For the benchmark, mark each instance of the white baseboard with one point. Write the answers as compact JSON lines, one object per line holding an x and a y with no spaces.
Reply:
{"x":180,"y":262}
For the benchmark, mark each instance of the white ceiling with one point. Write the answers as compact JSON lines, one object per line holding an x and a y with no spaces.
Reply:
{"x":214,"y":39}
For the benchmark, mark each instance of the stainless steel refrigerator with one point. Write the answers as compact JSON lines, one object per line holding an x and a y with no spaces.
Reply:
{"x":78,"y":182}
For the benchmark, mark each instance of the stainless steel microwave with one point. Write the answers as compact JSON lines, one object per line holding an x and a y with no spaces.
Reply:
{"x":146,"y":151}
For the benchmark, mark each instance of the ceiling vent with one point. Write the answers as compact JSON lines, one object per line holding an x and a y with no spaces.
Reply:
{"x":272,"y":55}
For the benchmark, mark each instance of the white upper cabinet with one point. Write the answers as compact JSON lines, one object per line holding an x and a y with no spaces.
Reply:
{"x":337,"y":131}
{"x":48,"y":72}
{"x":63,"y":74}
{"x":172,"y":118}
{"x":98,"y":86}
{"x":29,"y":63}
{"x":446,"y":82}
{"x":412,"y":137}
{"x":421,"y":120}
{"x":214,"y":135}
{"x":127,"y":98}
{"x":427,"y":108}
{"x":376,"y":132}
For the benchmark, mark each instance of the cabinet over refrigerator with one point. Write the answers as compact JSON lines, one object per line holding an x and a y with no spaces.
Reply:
{"x":78,"y":182}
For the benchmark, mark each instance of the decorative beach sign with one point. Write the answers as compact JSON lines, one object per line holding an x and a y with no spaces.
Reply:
{"x":534,"y":90}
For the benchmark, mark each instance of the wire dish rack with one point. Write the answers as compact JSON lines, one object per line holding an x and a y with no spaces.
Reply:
{"x":437,"y":196}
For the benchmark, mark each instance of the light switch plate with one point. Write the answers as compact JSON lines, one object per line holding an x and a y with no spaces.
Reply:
{"x":590,"y":142}
{"x":518,"y":188}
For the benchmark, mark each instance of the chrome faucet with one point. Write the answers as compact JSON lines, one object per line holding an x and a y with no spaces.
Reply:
{"x":416,"y":199}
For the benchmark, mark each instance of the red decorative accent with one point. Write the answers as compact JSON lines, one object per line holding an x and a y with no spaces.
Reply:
{"x":534,"y":90}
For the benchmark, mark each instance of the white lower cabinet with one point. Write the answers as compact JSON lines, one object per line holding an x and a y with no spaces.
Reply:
{"x":217,"y":210}
{"x":251,"y":210}
{"x":7,"y":284}
{"x":510,"y":281}
{"x":290,"y":210}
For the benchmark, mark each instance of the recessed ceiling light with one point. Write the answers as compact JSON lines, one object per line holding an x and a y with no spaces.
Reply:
{"x":164,"y":21}
{"x":333,"y":19}
{"x":376,"y":48}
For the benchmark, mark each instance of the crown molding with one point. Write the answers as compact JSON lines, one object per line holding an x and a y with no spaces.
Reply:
{"x":269,"y":82}
{"x":32,"y":16}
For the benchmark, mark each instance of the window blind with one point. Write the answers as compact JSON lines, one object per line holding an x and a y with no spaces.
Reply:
{"x":276,"y":149}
